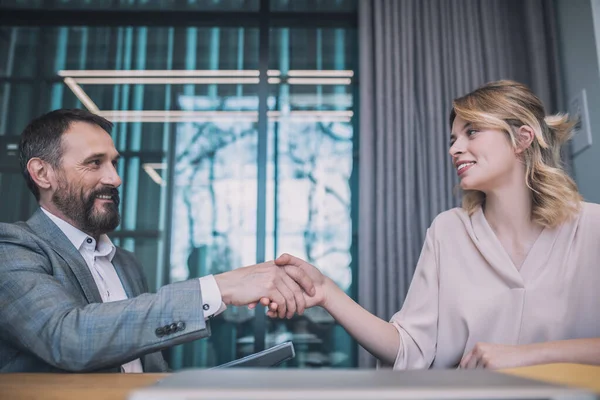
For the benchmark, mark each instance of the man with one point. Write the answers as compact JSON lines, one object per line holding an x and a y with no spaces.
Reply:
{"x":69,"y":299}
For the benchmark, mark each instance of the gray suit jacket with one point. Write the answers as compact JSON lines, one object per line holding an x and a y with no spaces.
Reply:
{"x":52,"y":318}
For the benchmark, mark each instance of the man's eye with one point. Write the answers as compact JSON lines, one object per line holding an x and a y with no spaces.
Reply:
{"x":95,"y":162}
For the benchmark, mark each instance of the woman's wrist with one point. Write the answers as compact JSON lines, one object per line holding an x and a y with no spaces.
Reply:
{"x":330,"y":292}
{"x":537,"y":353}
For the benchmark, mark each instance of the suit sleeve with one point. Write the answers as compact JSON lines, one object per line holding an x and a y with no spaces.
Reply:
{"x":39,"y":315}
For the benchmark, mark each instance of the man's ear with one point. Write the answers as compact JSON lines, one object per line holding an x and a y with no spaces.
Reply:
{"x":525,"y":136}
{"x":41,"y":172}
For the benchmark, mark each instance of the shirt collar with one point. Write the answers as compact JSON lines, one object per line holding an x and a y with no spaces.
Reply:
{"x":80,"y":239}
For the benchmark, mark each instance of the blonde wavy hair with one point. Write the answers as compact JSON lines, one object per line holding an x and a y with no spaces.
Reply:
{"x":506,"y":106}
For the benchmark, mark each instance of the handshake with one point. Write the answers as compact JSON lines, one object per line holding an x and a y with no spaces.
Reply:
{"x":287,"y":286}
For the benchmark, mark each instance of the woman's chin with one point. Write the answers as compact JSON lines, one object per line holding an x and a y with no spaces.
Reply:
{"x":466,"y":184}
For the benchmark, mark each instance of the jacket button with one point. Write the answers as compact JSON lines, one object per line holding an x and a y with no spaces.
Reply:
{"x":180,"y":326}
{"x":160,"y":332}
{"x":205,"y":307}
{"x":173,"y":328}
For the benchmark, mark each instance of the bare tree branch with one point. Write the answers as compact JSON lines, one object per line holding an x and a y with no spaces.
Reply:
{"x":327,"y":131}
{"x":332,"y":250}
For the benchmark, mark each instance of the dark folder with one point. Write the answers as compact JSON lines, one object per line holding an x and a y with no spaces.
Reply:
{"x":270,"y":357}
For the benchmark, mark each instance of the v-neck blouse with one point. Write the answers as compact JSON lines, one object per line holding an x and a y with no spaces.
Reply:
{"x":466,"y":289}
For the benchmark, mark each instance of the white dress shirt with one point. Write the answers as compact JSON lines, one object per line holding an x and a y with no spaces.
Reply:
{"x":98,"y":257}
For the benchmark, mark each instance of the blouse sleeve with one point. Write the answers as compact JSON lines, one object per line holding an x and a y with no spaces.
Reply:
{"x":417,"y":321}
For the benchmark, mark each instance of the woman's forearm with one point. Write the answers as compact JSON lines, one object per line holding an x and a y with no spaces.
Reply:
{"x":579,"y":351}
{"x":377,"y":336}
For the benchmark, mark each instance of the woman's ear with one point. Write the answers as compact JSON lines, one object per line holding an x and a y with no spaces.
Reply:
{"x":525,"y":136}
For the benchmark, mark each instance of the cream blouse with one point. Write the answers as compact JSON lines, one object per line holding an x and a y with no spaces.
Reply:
{"x":466,"y":289}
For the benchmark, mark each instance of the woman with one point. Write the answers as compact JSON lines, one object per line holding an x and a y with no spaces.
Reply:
{"x":509,"y":279}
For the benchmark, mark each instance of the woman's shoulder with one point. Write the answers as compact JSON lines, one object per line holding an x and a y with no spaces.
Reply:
{"x":589,"y":215}
{"x":451,"y":220}
{"x":591,"y":209}
{"x":586,"y":221}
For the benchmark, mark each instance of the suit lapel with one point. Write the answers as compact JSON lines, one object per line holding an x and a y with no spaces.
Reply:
{"x":47,"y":230}
{"x":130,"y":283}
{"x":42,"y":226}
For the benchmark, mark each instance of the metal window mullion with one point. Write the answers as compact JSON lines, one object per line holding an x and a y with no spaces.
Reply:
{"x":166,"y":212}
{"x":261,"y":159}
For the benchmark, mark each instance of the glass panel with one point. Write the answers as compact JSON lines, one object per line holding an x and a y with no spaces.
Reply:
{"x":184,"y":104}
{"x":190,"y":87}
{"x":18,"y":50}
{"x":44,"y":52}
{"x":214,"y":213}
{"x":214,"y":206}
{"x":309,"y":205}
{"x":195,"y":5}
{"x":314,"y":5}
{"x":17,"y":107}
{"x":17,"y":204}
{"x":62,"y":97}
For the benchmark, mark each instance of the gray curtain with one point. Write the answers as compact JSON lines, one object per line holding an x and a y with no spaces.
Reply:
{"x":415,"y":57}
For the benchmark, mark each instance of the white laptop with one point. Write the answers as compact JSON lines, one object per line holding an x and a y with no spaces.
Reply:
{"x":320,"y":384}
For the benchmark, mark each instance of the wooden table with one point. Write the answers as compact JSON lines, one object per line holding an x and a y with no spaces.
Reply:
{"x":118,"y":386}
{"x":72,"y":386}
{"x":577,"y":375}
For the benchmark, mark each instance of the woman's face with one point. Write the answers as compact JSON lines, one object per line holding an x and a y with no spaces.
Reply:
{"x":484,"y":158}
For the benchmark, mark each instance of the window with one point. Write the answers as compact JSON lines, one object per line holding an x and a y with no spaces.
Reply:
{"x":237,"y":146}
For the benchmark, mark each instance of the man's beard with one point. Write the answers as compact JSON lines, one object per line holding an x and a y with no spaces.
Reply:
{"x":79,"y":207}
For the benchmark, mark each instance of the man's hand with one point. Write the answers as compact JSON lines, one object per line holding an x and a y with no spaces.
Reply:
{"x":291,"y":265}
{"x":496,"y":356}
{"x":248,"y":284}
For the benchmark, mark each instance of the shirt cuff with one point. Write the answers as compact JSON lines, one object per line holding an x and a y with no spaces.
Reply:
{"x":211,"y":297}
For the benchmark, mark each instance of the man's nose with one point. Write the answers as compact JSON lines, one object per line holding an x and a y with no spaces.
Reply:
{"x":111,"y":177}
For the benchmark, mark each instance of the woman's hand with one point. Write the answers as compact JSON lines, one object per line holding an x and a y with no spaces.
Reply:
{"x":379,"y":337}
{"x":496,"y":356}
{"x":290,"y":265}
